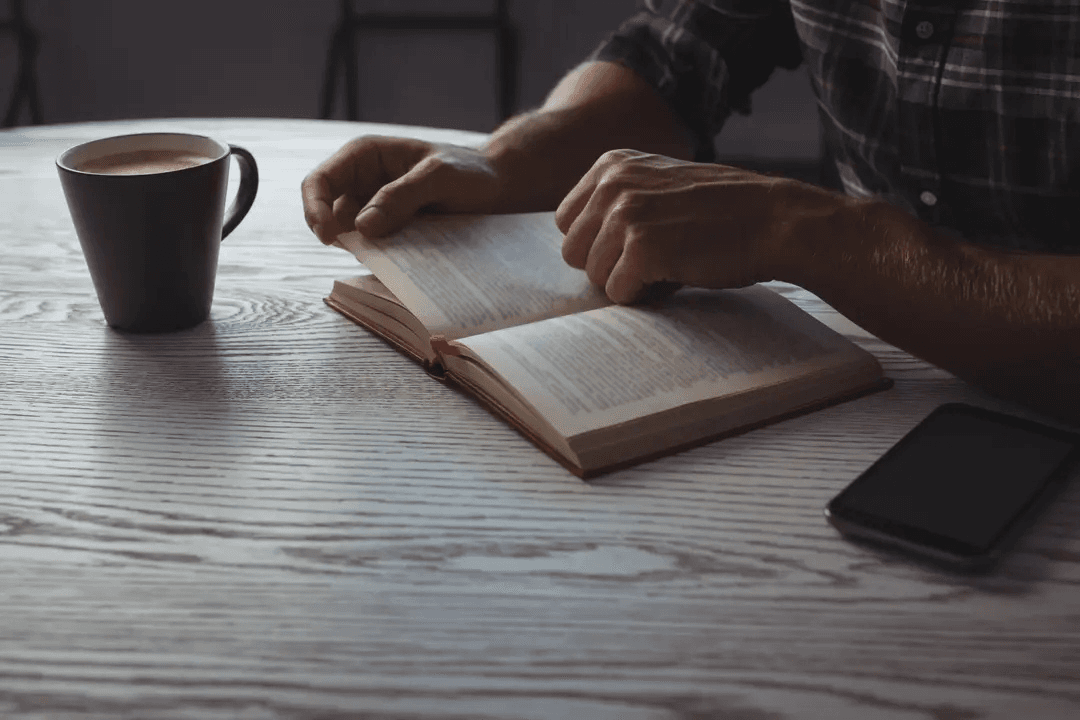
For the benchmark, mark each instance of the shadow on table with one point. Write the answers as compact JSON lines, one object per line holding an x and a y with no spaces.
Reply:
{"x":1051,"y":545}
{"x":164,"y":383}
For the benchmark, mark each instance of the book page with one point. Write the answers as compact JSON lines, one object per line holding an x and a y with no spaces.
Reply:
{"x":462,"y":275}
{"x":614,"y":364}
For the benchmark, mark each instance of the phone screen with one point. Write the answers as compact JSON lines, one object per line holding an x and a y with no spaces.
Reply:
{"x":959,"y":480}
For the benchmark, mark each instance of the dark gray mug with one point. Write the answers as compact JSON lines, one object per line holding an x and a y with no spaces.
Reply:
{"x":149,"y":210}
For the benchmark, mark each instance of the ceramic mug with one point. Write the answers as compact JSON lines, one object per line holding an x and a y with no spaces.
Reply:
{"x":149,"y":210}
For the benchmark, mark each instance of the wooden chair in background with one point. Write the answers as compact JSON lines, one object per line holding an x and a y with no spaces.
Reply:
{"x":342,"y":56}
{"x":26,"y":45}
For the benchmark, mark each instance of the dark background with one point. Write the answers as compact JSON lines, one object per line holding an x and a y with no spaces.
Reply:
{"x":110,"y":59}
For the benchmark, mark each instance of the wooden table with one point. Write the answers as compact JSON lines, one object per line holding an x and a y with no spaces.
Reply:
{"x":274,"y":515}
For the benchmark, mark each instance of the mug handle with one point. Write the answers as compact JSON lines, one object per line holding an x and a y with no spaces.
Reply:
{"x":245,"y":195}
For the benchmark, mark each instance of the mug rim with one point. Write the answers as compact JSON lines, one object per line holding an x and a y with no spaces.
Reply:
{"x":63,"y":160}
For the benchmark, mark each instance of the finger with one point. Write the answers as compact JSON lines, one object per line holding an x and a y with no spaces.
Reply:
{"x":575,"y":201}
{"x":581,"y":194}
{"x":330,"y":180}
{"x":582,"y":233}
{"x":606,"y":248}
{"x":358,"y":169}
{"x":425,"y":185}
{"x":345,"y":209}
{"x":318,"y":209}
{"x":364,"y":165}
{"x":635,"y":272}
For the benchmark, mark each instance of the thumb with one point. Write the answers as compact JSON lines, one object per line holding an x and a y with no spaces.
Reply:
{"x":398,"y":202}
{"x":373,"y":221}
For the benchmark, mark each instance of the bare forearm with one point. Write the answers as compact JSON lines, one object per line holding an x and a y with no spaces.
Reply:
{"x":597,"y":107}
{"x":1006,"y":322}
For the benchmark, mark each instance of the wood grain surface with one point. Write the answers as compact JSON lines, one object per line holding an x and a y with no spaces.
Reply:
{"x":275,"y":516}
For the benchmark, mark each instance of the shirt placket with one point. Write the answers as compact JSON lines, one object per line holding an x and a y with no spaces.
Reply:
{"x":926,"y":32}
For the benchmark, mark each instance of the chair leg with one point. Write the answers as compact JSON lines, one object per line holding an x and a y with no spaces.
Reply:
{"x":12,"y":114}
{"x":326,"y":102}
{"x":32,"y":98}
{"x":342,"y":56}
{"x":26,"y":82}
{"x":352,"y":74}
{"x":508,"y":70}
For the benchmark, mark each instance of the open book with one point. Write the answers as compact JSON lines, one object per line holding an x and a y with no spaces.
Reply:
{"x":488,"y":303}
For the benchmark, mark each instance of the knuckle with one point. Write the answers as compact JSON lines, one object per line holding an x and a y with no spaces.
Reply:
{"x":364,"y":142}
{"x":366,"y":148}
{"x":620,"y":161}
{"x":608,"y":157}
{"x":627,"y":207}
{"x":432,"y":165}
{"x":617,"y":178}
{"x":617,"y":155}
{"x":386,"y":195}
{"x":356,"y":147}
{"x":401,"y":185}
{"x":632,"y":244}
{"x":609,"y":186}
{"x":393,"y":194}
{"x":607,"y":163}
{"x":636,"y":243}
{"x":620,"y":213}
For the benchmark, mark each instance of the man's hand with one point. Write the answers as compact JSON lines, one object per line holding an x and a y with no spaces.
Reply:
{"x":635,"y":220}
{"x":377,"y":184}
{"x":527,"y":164}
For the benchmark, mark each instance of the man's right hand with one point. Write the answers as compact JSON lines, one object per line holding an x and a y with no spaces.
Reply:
{"x":377,"y":184}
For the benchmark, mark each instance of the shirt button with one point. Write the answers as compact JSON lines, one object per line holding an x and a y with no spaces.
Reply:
{"x":924,"y":30}
{"x":928,"y":198}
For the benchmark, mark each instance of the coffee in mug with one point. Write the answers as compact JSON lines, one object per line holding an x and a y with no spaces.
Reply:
{"x":143,"y":162}
{"x":150,"y":214}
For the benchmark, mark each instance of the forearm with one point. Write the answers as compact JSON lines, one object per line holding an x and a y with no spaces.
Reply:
{"x":1004,"y":321}
{"x":597,"y":107}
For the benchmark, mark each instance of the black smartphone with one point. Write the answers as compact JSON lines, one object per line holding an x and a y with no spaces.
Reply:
{"x":959,"y":488}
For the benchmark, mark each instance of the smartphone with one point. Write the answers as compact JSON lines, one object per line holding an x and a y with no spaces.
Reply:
{"x":959,"y":488}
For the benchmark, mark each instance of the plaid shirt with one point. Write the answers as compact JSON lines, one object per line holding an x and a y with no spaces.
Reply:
{"x":966,"y":114}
